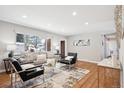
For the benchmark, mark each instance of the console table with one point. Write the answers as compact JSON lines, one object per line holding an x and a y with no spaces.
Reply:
{"x":7,"y":65}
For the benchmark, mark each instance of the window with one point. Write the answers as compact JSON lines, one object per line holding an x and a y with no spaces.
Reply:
{"x":20,"y":38}
{"x":31,"y":42}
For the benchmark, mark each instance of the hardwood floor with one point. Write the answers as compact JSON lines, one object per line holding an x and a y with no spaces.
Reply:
{"x":89,"y":81}
{"x":4,"y":80}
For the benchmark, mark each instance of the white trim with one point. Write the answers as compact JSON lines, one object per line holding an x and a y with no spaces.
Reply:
{"x":2,"y":70}
{"x":91,"y":61}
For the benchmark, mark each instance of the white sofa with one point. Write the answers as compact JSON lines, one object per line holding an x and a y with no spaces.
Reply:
{"x":48,"y":59}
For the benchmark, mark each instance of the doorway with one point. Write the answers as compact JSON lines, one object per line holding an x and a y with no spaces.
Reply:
{"x":62,"y":47}
{"x":110,"y":45}
{"x":48,"y":44}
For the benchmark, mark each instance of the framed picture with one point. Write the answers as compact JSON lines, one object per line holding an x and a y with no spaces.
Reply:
{"x":82,"y":42}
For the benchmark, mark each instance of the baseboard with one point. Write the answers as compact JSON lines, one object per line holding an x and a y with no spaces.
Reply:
{"x":2,"y":70}
{"x":90,"y":61}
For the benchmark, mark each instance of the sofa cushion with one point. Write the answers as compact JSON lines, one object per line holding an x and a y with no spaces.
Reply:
{"x":50,"y":65}
{"x":69,"y":57}
{"x":40,"y":59}
{"x":30,"y":57}
{"x":50,"y":55}
{"x":26,"y":66}
{"x":51,"y":62}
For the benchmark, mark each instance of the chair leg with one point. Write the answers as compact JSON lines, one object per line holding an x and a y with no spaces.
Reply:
{"x":11,"y":77}
{"x":43,"y":78}
{"x":24,"y":85}
{"x":15,"y":79}
{"x":69,"y":67}
{"x":53,"y":71}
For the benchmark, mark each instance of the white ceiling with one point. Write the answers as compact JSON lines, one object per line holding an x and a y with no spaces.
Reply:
{"x":59,"y":19}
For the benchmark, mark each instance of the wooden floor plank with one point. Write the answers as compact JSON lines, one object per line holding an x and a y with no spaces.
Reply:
{"x":4,"y":80}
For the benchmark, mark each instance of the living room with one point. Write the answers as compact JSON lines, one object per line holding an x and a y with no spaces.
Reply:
{"x":71,"y":45}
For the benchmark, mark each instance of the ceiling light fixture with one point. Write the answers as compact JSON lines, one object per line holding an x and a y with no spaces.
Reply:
{"x":48,"y":24}
{"x":24,"y":16}
{"x":86,"y":23}
{"x":74,"y":13}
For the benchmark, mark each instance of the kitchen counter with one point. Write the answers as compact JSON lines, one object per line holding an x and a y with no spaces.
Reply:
{"x":109,"y":63}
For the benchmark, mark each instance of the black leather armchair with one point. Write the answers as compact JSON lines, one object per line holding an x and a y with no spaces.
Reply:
{"x":71,"y":60}
{"x":25,"y":74}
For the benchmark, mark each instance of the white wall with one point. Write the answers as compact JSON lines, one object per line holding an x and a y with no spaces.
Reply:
{"x":8,"y":35}
{"x":91,"y":53}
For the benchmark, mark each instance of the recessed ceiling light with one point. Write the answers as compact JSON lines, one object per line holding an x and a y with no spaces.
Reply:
{"x":74,"y":13}
{"x":24,"y":16}
{"x":48,"y":24}
{"x":86,"y":23}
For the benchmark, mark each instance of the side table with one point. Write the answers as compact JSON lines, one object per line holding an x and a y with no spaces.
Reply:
{"x":7,"y":65}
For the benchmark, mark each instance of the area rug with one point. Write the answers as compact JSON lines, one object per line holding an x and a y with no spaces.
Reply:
{"x":62,"y":77}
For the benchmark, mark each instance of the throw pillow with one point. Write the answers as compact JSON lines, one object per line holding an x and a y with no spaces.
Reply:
{"x":41,"y":58}
{"x":69,"y":57}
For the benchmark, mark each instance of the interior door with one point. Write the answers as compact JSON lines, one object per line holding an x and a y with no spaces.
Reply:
{"x":62,"y":45}
{"x":48,"y":44}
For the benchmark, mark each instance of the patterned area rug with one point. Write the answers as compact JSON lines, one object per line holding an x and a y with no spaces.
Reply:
{"x":62,"y":77}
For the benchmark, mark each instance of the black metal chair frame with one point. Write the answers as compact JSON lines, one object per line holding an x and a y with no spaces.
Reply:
{"x":14,"y":70}
{"x":69,"y":61}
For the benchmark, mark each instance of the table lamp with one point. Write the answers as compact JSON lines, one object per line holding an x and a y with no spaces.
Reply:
{"x":11,"y":48}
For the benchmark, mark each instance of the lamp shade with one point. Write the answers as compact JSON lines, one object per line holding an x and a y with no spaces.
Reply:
{"x":57,"y":47}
